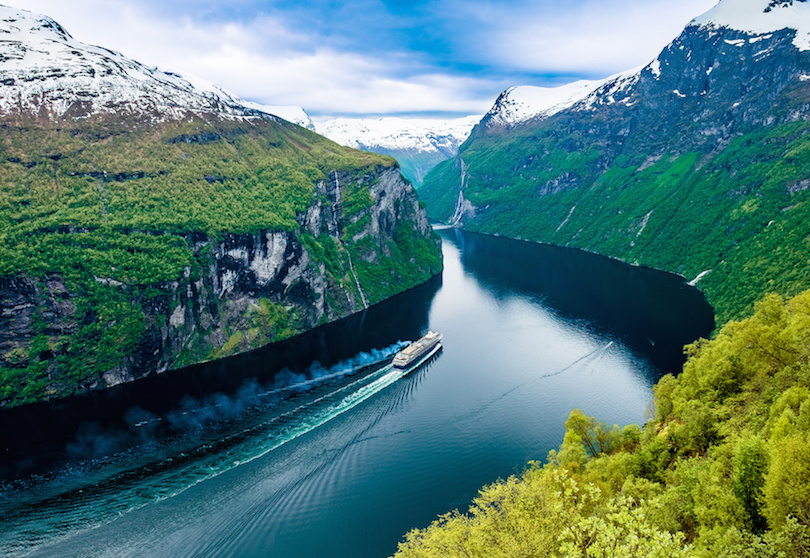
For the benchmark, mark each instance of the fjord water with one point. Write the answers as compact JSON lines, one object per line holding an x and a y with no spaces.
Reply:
{"x":270,"y":454}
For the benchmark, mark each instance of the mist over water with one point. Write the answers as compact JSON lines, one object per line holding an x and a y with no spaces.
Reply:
{"x":317,"y":447}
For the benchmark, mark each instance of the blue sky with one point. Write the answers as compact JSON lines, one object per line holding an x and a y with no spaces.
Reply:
{"x":365,"y":57}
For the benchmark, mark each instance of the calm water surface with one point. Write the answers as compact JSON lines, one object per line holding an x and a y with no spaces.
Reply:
{"x":316,"y":447}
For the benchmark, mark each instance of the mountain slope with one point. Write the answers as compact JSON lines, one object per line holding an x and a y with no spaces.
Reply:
{"x":696,"y":162}
{"x":290,"y":113}
{"x":48,"y":72}
{"x":147,"y":223}
{"x":520,"y":104}
{"x":418,"y":144}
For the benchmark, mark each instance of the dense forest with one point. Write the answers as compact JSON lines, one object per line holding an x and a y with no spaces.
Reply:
{"x":722,"y":469}
{"x":108,"y":227}
{"x":739,"y":214}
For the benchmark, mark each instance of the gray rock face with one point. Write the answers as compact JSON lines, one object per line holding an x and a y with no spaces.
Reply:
{"x":23,"y":303}
{"x":247,"y":279}
{"x":703,"y":89}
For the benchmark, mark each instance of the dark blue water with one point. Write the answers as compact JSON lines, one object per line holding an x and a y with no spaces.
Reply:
{"x":316,"y":447}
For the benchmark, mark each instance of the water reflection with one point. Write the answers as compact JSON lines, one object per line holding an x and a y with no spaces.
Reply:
{"x":42,"y":436}
{"x":654,"y":312}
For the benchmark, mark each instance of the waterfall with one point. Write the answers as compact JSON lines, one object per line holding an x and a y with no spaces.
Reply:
{"x":335,"y":209}
{"x":459,"y":212}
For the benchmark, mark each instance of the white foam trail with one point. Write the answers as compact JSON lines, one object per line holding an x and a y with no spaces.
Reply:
{"x":250,"y":444}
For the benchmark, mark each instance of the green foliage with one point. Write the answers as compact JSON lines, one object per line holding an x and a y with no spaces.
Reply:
{"x":545,"y":512}
{"x":584,"y":432}
{"x":787,"y":485}
{"x":740,"y":212}
{"x":261,"y":325}
{"x":723,"y":468}
{"x":403,"y":261}
{"x":111,"y":207}
{"x":751,"y":460}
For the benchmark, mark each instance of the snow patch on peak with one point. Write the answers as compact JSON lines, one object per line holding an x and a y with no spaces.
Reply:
{"x":760,"y":17}
{"x":424,"y":135}
{"x":43,"y":70}
{"x":655,"y":68}
{"x":615,"y":89}
{"x":521,"y":103}
{"x":290,"y":113}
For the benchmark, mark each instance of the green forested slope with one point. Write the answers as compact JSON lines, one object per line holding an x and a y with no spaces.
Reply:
{"x":722,"y":470}
{"x":105,"y":223}
{"x":742,"y":213}
{"x":700,"y":161}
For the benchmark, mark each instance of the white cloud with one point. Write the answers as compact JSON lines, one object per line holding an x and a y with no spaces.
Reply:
{"x":595,"y":37}
{"x":262,"y":59}
{"x":331,"y":82}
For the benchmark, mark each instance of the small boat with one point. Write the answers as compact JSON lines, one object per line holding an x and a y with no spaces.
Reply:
{"x":419,"y":351}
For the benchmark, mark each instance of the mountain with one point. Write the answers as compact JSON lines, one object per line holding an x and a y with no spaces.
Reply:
{"x":150,"y":221}
{"x":418,"y":144}
{"x":522,"y":103}
{"x":698,"y":163}
{"x":46,"y":72}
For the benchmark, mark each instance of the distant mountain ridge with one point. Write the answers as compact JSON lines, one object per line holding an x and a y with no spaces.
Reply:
{"x":698,"y":161}
{"x":417,"y":143}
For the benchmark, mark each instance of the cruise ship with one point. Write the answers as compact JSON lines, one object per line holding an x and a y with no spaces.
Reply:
{"x":418,"y":352}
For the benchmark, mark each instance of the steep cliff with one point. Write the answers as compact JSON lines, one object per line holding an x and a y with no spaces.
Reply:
{"x":696,"y":162}
{"x":147,"y":224}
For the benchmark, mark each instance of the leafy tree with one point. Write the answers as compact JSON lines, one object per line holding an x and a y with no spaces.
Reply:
{"x":723,"y":469}
{"x":750,"y":467}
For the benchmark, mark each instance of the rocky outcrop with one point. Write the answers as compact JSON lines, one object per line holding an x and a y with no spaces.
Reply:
{"x":249,"y":290}
{"x":27,"y":307}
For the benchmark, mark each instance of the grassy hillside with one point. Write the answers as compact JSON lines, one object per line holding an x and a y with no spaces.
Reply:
{"x":722,"y":470}
{"x":741,"y":212}
{"x":103,"y":216}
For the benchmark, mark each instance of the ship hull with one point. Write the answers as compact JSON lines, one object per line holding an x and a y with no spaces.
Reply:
{"x":417,"y":351}
{"x":421,"y":360}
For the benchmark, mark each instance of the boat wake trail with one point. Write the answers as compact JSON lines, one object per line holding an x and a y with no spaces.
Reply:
{"x":100,"y":498}
{"x":601,"y":352}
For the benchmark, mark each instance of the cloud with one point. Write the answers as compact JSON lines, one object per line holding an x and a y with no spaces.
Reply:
{"x":588,"y":38}
{"x":264,"y":60}
{"x":378,"y":56}
{"x":326,"y":81}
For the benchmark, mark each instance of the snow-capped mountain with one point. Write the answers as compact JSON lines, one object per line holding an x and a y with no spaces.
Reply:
{"x":521,"y":103}
{"x":392,"y":133}
{"x":45,"y":71}
{"x":693,"y":162}
{"x":758,"y":18}
{"x":417,"y":143}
